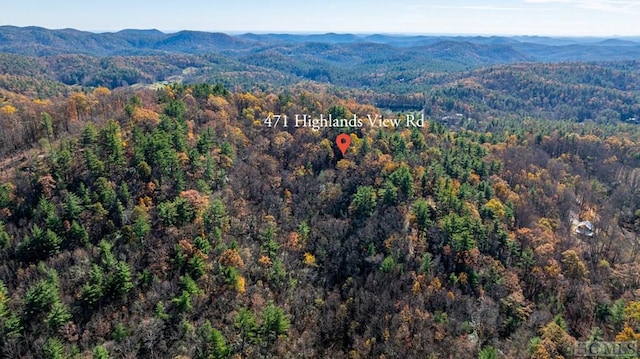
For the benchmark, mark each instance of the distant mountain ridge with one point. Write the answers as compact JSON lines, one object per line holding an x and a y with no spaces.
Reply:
{"x":37,"y":41}
{"x":553,"y":78}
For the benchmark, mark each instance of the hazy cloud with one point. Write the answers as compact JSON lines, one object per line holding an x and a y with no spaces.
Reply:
{"x":470,"y":7}
{"x":603,"y":5}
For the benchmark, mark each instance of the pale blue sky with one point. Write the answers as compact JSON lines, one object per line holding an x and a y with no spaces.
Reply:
{"x":499,"y":17}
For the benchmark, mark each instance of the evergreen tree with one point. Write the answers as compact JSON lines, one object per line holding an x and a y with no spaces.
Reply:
{"x":245,"y":321}
{"x":122,"y":280}
{"x":54,"y":349}
{"x":111,"y":144}
{"x":422,"y":212}
{"x":41,"y":297}
{"x":274,"y":324}
{"x":72,"y":206}
{"x":364,"y":201}
{"x":216,"y":345}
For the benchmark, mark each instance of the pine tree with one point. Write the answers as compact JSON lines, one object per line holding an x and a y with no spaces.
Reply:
{"x":245,"y":321}
{"x":100,"y":352}
{"x":122,"y":280}
{"x":41,"y":297}
{"x":58,"y":316}
{"x":274,"y":324}
{"x":364,"y":201}
{"x":72,"y":206}
{"x":113,"y":151}
{"x":54,"y":349}
{"x":216,"y":344}
{"x":93,"y":291}
{"x":422,"y":212}
{"x":40,"y":245}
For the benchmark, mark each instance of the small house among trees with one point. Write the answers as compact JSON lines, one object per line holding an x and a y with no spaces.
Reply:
{"x":585,"y":228}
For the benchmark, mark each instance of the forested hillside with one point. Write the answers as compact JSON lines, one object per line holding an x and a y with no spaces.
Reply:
{"x":579,"y":79}
{"x":159,"y":197}
{"x":605,"y":92}
{"x":174,"y":223}
{"x":465,"y":50}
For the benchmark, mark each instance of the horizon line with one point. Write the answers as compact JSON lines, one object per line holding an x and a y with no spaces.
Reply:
{"x":323,"y":32}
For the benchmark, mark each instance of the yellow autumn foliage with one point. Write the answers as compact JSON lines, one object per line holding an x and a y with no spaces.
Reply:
{"x":309,"y":259}
{"x":497,"y":207}
{"x":627,"y":334}
{"x":101,"y":91}
{"x":143,"y":115}
{"x":241,"y":285}
{"x":8,"y":110}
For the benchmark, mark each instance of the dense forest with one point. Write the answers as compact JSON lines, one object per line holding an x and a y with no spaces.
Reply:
{"x":151,"y":208}
{"x":172,"y":223}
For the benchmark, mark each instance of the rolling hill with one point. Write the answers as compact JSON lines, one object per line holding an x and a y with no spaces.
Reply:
{"x":36,"y":41}
{"x":151,"y":207}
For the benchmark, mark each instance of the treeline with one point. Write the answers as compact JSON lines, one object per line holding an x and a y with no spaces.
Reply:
{"x":603,"y":92}
{"x":174,"y":223}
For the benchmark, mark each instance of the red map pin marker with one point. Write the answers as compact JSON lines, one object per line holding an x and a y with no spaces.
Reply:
{"x":343,"y":141}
